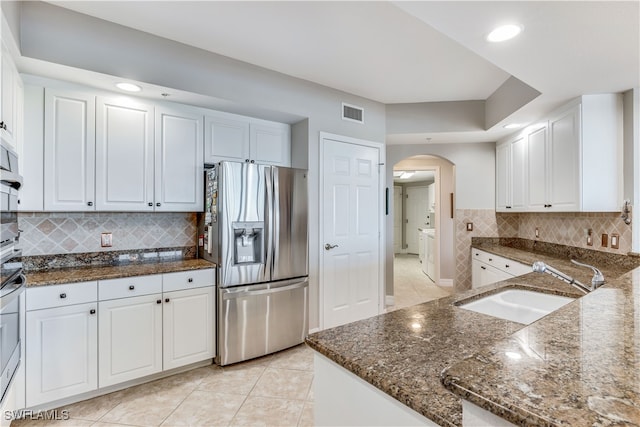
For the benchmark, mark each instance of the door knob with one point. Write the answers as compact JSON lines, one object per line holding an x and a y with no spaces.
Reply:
{"x":328,"y":247}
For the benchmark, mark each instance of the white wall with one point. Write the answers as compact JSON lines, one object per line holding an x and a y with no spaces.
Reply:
{"x":473,"y":181}
{"x":64,"y":37}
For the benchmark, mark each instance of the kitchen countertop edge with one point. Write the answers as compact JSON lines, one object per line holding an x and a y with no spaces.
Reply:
{"x":87,"y":274}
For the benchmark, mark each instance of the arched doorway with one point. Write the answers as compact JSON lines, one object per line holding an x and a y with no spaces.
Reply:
{"x":423,"y":230}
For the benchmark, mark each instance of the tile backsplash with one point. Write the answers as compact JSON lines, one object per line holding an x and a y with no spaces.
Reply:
{"x":77,"y":232}
{"x":562,"y":228}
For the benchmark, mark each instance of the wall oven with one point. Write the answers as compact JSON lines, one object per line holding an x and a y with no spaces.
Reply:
{"x":11,"y":274}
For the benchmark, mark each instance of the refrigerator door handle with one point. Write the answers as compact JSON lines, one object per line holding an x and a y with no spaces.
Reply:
{"x":248,"y":293}
{"x":268,"y":223}
{"x":276,"y":216}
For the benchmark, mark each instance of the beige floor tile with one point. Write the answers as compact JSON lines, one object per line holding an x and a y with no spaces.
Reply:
{"x":101,"y":424}
{"x":51,"y":423}
{"x":310,"y":394}
{"x":263,"y":411}
{"x":307,"y":418}
{"x":96,"y":408}
{"x":299,"y":357}
{"x":205,"y":408}
{"x":284,"y":384}
{"x":148,"y":409}
{"x":232,"y":380}
{"x":410,"y":285}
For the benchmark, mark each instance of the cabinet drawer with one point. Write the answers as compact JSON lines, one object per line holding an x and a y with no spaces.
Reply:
{"x":188,"y":279}
{"x":129,"y":287}
{"x":61,"y":295}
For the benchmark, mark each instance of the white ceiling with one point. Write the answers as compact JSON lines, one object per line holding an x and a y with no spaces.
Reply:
{"x":404,"y":52}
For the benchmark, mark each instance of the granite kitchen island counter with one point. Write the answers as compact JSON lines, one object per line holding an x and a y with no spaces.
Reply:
{"x":579,"y":366}
{"x":404,"y":352}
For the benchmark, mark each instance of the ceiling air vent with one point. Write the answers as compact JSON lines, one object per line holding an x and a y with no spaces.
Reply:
{"x":352,"y":113}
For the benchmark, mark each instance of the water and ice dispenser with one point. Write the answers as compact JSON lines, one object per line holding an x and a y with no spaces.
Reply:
{"x":248,"y":242}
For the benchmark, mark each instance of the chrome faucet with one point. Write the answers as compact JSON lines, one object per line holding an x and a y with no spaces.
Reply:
{"x":596,"y":281}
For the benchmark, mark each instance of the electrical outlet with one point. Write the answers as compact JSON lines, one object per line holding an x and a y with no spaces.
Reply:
{"x":106,"y":240}
{"x":469,"y":226}
{"x":615,"y":240}
{"x":590,"y":237}
{"x":605,"y":240}
{"x":537,"y":233}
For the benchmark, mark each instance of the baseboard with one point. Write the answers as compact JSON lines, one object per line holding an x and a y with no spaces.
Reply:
{"x":446,"y":283}
{"x":314,"y":330}
{"x":388,"y":300}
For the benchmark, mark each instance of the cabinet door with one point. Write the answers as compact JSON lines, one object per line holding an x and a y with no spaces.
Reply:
{"x":69,"y":151}
{"x":8,"y":113}
{"x":564,"y":161}
{"x":537,"y":183}
{"x":61,"y":352}
{"x":225,"y":139}
{"x":130,"y":338}
{"x":271,"y":144}
{"x":179,"y":171}
{"x":188,"y":326}
{"x":489,"y":275}
{"x":124,"y":153}
{"x":518,"y":174}
{"x":503,"y":177}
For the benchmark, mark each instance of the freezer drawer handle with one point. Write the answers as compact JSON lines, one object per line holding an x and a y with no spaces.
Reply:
{"x":328,"y":247}
{"x":242,"y":294}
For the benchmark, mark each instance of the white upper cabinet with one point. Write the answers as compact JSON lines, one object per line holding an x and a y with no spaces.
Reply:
{"x":511,"y":174}
{"x":570,"y":163}
{"x":537,"y":182}
{"x":226,"y":139}
{"x":241,"y":139}
{"x":503,"y":177}
{"x":124,"y":155}
{"x":69,"y":151}
{"x":271,"y":143}
{"x":179,"y":159}
{"x":563,"y":161}
{"x":10,"y":87}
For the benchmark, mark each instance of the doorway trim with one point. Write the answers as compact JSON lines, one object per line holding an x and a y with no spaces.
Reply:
{"x":381,"y":218}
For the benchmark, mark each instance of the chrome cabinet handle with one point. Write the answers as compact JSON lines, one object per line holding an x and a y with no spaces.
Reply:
{"x":328,"y":247}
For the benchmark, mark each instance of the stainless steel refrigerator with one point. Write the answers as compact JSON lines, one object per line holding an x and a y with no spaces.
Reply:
{"x":255,"y":229}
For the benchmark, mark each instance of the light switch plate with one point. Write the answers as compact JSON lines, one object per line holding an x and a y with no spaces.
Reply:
{"x":605,"y":240}
{"x":615,"y":240}
{"x":106,"y":240}
{"x":469,"y":226}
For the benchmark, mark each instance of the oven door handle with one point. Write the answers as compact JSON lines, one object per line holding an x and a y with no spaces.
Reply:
{"x":16,"y":287}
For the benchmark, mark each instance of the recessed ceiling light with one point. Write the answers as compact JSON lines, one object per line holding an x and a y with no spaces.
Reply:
{"x":129,"y":87}
{"x":504,"y":32}
{"x":512,"y":126}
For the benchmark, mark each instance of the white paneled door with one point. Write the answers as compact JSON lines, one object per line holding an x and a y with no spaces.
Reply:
{"x":351,"y":219}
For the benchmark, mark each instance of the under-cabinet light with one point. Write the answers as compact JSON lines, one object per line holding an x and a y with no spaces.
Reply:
{"x":129,"y":87}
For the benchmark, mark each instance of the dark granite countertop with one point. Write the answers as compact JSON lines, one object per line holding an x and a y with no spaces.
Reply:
{"x":579,"y":366}
{"x":405,"y":352}
{"x":84,"y":274}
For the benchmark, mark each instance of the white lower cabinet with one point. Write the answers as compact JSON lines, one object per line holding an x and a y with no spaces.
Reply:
{"x":62,"y":352}
{"x":488,"y":268}
{"x":130,"y":331}
{"x":188,"y":327}
{"x":91,"y":335}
